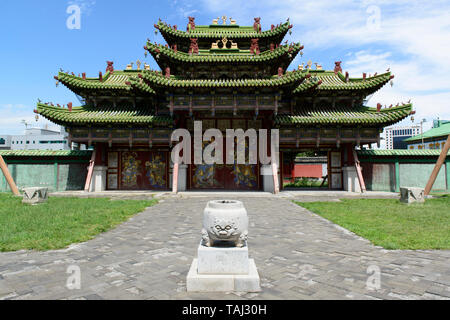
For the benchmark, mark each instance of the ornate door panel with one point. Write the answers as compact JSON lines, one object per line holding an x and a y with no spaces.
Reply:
{"x":223,"y":176}
{"x":113,"y":171}
{"x":335,"y":170}
{"x":143,"y":170}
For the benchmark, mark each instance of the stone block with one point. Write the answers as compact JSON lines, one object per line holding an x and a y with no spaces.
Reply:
{"x":412,"y":195}
{"x":35,"y":196}
{"x":196,"y":282}
{"x":223,"y":260}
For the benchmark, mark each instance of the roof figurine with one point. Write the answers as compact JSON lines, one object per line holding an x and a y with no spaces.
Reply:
{"x":110,"y":67}
{"x":337,"y":67}
{"x":191,"y":24}
{"x":257,"y":25}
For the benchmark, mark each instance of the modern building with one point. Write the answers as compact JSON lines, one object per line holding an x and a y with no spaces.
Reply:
{"x":434,"y":138}
{"x":395,"y":136}
{"x":225,"y":76}
{"x":36,"y":139}
{"x":5,"y":142}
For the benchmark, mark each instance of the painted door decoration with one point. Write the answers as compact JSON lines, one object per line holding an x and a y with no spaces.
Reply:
{"x":223,"y":176}
{"x":335,"y":170}
{"x":156,"y":170}
{"x":137,"y":170}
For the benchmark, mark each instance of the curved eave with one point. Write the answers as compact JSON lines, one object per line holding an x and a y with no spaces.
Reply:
{"x":156,"y":79}
{"x":102,"y":116}
{"x":331,"y":82}
{"x":345,"y":116}
{"x":211,"y":33}
{"x":116,"y":82}
{"x":286,"y":52}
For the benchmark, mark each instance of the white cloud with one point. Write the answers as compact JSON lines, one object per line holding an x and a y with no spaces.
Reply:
{"x":86,"y":6}
{"x":13,"y":115}
{"x":412,"y":39}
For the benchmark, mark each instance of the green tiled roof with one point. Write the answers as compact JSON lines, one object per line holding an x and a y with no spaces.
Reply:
{"x":400,"y":153}
{"x":442,"y":130}
{"x":116,"y":81}
{"x":220,"y":31}
{"x":156,"y":79}
{"x":45,"y":153}
{"x":242,"y":56}
{"x":329,"y":81}
{"x":345,"y":116}
{"x":102,"y":115}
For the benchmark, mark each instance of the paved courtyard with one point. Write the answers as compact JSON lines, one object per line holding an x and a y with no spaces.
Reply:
{"x":299,"y":255}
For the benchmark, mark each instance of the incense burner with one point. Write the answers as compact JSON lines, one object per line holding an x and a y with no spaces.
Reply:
{"x":225,"y":224}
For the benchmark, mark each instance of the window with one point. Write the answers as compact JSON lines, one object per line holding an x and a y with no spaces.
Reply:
{"x":411,"y":147}
{"x":420,"y":147}
{"x":2,"y":141}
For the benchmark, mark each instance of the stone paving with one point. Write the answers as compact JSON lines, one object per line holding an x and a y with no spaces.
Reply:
{"x":299,"y":255}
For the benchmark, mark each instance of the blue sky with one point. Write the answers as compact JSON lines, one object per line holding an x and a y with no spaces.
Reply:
{"x":410,"y":37}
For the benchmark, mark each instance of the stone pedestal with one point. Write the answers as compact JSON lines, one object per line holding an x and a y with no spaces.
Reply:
{"x":216,"y":260}
{"x":223,"y":270}
{"x":351,"y":182}
{"x":412,"y":195}
{"x":98,"y":183}
{"x":35,"y":196}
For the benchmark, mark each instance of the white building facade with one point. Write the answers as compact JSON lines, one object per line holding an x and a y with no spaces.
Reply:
{"x":37,"y":139}
{"x":394,"y":136}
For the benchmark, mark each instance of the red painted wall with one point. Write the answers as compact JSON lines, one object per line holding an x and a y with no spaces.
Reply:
{"x":306,"y":170}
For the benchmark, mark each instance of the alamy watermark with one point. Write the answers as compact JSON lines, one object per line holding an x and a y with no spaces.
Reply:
{"x":73,"y":22}
{"x":74,"y":280}
{"x":241,"y":147}
{"x":374,"y":280}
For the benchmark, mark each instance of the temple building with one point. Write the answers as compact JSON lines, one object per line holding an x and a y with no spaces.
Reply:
{"x":229,"y":77}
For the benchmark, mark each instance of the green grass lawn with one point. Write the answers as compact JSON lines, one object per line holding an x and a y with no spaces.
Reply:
{"x":389,"y":223}
{"x":61,"y":221}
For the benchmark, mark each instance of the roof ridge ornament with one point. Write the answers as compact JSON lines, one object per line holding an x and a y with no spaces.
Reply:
{"x":191,"y":24}
{"x":257,"y":25}
{"x":337,"y":67}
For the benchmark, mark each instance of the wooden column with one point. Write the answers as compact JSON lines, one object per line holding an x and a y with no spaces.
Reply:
{"x":8,"y":177}
{"x":234,"y":103}
{"x":397,"y":175}
{"x":438,"y":166}
{"x":90,"y":172}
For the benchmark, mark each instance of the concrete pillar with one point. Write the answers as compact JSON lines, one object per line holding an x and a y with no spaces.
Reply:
{"x":267,"y":178}
{"x":98,"y":183}
{"x":351,"y":182}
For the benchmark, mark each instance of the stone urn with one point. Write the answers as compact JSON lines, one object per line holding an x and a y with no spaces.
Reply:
{"x":225,"y":224}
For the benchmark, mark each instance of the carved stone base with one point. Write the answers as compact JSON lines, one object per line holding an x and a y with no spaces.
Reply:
{"x":196,"y":282}
{"x":35,"y":196}
{"x":412,"y":195}
{"x":216,"y":260}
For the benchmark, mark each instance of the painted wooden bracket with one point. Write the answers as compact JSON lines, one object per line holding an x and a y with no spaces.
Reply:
{"x":438,"y":166}
{"x":176,"y":167}
{"x":276,"y":185}
{"x":359,"y":172}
